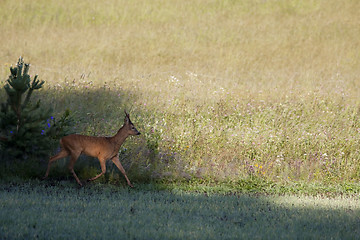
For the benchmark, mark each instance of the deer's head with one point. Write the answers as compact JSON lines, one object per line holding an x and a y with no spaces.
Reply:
{"x":129,"y":126}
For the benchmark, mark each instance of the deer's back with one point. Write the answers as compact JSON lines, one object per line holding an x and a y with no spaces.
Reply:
{"x":91,"y":146}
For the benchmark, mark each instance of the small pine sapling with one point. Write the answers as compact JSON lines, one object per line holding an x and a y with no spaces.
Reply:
{"x":27,"y":129}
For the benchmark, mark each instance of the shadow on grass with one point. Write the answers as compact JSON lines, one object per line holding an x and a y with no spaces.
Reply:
{"x":97,"y":111}
{"x":47,"y":211}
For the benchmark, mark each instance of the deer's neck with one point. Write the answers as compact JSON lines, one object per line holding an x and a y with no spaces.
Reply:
{"x":120,"y":137}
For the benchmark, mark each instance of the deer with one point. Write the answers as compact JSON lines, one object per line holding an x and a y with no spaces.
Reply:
{"x":103,"y":148}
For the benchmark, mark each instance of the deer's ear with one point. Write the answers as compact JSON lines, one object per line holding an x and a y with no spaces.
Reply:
{"x":126,"y":114}
{"x":126,"y":119}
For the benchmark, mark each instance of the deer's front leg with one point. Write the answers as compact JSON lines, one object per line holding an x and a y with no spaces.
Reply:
{"x":116,"y":161}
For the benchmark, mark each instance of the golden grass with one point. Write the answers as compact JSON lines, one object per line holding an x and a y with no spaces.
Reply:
{"x":227,"y":84}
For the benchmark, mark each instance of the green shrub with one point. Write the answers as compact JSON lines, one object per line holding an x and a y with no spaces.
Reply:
{"x":26,"y":128}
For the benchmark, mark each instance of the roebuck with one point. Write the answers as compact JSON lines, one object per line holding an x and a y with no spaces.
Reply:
{"x":103,"y":148}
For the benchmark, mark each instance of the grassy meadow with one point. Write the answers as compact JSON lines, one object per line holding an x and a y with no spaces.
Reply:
{"x":42,"y":211}
{"x":221,"y":90}
{"x":249,"y":112}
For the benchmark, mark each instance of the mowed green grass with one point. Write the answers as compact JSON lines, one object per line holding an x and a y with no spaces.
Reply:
{"x":221,"y":90}
{"x":46,"y":211}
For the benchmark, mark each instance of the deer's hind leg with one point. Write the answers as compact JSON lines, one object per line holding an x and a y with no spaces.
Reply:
{"x":74,"y":157}
{"x":63,"y":153}
{"x":103,"y":169}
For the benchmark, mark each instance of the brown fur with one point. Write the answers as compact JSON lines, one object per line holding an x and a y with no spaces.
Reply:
{"x":103,"y":148}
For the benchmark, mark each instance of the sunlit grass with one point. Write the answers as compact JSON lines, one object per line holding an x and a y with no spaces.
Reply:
{"x":223,"y":89}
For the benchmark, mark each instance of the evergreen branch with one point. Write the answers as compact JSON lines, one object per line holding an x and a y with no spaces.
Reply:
{"x":27,"y":99}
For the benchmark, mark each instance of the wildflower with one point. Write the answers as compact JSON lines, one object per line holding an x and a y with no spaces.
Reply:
{"x":42,"y":132}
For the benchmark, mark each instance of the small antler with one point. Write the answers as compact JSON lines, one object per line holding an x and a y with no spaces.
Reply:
{"x":126,"y":113}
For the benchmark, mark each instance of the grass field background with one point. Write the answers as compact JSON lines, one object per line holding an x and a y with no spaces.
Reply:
{"x":221,"y":90}
{"x":231,"y":97}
